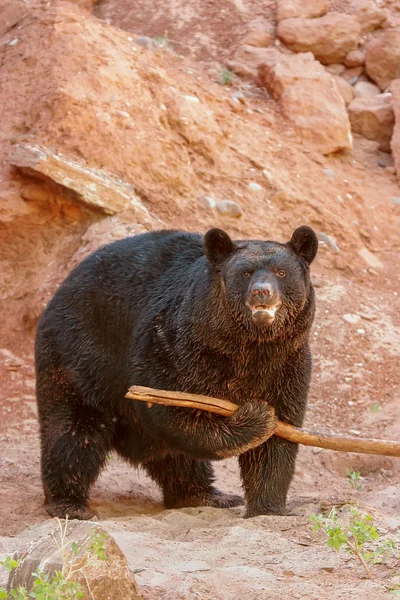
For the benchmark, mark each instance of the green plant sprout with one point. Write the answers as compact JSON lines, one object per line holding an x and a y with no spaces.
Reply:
{"x":358,"y":536}
{"x":354,"y":477}
{"x":227,"y":76}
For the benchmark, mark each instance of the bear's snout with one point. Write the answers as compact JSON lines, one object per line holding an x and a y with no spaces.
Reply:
{"x":260,"y":290}
{"x":263,"y":300}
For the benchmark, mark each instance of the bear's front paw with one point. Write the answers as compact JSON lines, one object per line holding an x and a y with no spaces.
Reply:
{"x":73,"y":511}
{"x":257,"y":511}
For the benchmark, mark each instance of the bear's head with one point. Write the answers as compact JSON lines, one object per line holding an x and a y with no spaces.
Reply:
{"x":266,"y":284}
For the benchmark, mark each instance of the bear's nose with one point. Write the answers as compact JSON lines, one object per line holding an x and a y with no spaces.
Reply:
{"x":262,"y":289}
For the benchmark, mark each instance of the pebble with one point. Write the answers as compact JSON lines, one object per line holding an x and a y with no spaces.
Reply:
{"x":330,"y":173}
{"x":395,"y":201}
{"x":353,"y":80}
{"x":255,"y":187}
{"x":361,"y":331}
{"x":327,"y":239}
{"x":208,"y":201}
{"x":229,"y":208}
{"x":192,"y":99}
{"x":351,"y":318}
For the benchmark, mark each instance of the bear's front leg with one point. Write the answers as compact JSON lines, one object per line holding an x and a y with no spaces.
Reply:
{"x":266,"y":473}
{"x":268,"y":469}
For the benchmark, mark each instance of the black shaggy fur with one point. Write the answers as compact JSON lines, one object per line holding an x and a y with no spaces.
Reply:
{"x":174,"y":310}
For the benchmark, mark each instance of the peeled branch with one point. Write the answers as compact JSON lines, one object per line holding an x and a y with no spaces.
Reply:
{"x":284,"y":430}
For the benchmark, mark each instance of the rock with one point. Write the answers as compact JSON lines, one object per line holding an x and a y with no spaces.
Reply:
{"x":395,"y":143}
{"x":318,"y":112}
{"x":395,"y":201}
{"x":298,"y":8}
{"x":328,"y":240}
{"x":336,"y":69}
{"x":355,"y":58}
{"x":373,"y":118}
{"x":367,"y":13}
{"x":229,"y":208}
{"x":255,"y":187}
{"x":344,"y":88}
{"x":100,"y":579}
{"x":364,"y":89}
{"x":93,"y":187}
{"x":247,"y":59}
{"x":258,"y":38}
{"x":207,"y":201}
{"x":382,"y":58}
{"x":329,"y":38}
{"x":309,"y":98}
{"x":351,"y":318}
{"x":278,"y":71}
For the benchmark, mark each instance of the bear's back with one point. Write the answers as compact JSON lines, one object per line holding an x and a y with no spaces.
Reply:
{"x":101,"y":301}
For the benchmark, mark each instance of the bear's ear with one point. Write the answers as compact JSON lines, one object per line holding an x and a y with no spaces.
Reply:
{"x":217,"y":246}
{"x":305,"y":243}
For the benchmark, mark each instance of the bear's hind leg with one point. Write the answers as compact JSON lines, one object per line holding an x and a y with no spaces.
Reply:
{"x":186,"y":481}
{"x":74,"y":445}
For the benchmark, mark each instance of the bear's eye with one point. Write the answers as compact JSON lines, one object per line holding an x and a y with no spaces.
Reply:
{"x":281,"y":273}
{"x":246,"y":274}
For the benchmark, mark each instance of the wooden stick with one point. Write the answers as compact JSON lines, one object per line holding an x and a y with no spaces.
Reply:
{"x":283,"y":430}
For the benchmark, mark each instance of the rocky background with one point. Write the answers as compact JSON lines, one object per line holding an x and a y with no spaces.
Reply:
{"x":251,"y":115}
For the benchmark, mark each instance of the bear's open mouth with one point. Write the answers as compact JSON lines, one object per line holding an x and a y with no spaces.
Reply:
{"x":264,"y":308}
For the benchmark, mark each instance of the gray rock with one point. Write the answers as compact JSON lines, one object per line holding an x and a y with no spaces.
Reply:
{"x":329,"y":241}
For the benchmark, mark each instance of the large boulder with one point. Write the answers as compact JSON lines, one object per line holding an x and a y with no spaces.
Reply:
{"x":298,"y":8}
{"x":93,"y":187}
{"x":382,"y":59}
{"x":85,"y":554}
{"x":367,"y":13}
{"x":318,"y":113}
{"x":310,"y":99}
{"x":278,"y":70}
{"x":329,"y":38}
{"x":395,"y":142}
{"x":373,"y":118}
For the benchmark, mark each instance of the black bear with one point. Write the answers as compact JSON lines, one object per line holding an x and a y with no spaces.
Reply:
{"x":183,"y":312}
